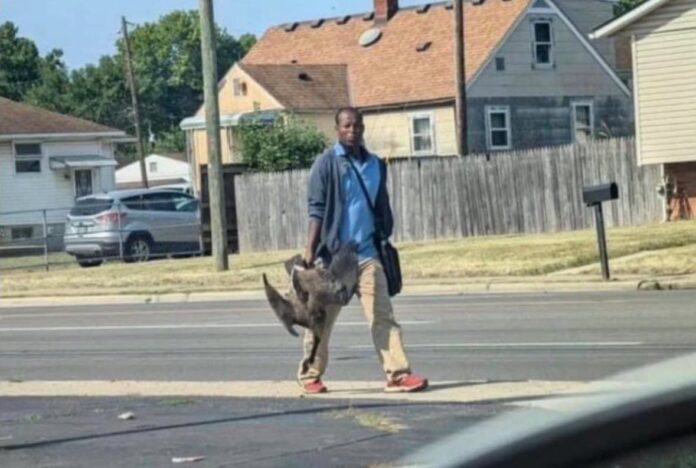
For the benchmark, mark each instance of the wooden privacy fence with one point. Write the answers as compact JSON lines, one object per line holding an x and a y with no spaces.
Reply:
{"x":529,"y":191}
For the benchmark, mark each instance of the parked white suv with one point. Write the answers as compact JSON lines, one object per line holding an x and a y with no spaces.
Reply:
{"x":135,"y":225}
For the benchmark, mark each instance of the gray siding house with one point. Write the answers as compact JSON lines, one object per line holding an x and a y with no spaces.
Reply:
{"x":547,"y":85}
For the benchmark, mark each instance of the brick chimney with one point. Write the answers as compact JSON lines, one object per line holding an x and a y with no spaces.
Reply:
{"x":384,"y":10}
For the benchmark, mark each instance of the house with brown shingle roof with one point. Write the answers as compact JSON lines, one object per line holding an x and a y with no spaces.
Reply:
{"x":533,"y":78}
{"x":46,"y":161}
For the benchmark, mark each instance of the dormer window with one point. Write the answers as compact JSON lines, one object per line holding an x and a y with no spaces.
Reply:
{"x":542,"y":43}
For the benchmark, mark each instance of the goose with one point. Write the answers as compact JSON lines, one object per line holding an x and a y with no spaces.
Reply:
{"x":312,"y":290}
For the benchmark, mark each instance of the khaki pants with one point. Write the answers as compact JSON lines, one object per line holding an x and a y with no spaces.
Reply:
{"x":386,"y":333}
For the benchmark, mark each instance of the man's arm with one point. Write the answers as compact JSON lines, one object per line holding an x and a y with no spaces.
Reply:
{"x":312,"y":240}
{"x":316,"y":198}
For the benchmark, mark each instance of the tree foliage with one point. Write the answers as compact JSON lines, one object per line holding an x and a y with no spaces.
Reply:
{"x":19,"y":63}
{"x":622,"y":6}
{"x":53,"y":88}
{"x":287,"y":144}
{"x":167,"y":65}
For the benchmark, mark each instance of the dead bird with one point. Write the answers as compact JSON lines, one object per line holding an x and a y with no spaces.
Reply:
{"x":312,"y":291}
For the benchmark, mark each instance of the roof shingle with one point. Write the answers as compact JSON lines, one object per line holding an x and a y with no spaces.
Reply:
{"x":19,"y":119}
{"x":392,"y":70}
{"x":303,"y":86}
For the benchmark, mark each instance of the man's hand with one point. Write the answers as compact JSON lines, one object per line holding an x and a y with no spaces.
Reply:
{"x":312,"y":242}
{"x":308,"y":257}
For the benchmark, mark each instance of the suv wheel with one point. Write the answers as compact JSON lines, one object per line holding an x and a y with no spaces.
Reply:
{"x":138,"y":249}
{"x":87,"y":262}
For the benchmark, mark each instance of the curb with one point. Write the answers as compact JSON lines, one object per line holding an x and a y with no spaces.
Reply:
{"x":492,"y":286}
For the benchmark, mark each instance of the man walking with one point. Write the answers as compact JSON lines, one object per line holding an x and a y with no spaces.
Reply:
{"x":339,"y":212}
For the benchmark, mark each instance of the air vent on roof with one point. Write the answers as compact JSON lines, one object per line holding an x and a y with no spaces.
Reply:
{"x":290,"y":27}
{"x":423,"y":46}
{"x":318,"y":23}
{"x":369,"y":16}
{"x":423,"y":8}
{"x":449,"y":6}
{"x":304,"y":76}
{"x":369,"y":37}
{"x":343,"y":19}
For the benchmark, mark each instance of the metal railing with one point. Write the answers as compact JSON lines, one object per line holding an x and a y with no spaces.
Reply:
{"x":56,"y":237}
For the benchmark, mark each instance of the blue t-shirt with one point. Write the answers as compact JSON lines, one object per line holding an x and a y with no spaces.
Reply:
{"x":357,"y":221}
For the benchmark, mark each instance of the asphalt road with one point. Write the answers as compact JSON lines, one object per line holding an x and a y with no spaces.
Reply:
{"x":581,"y":336}
{"x":493,"y":338}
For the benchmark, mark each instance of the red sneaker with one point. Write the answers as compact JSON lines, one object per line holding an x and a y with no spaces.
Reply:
{"x":407,"y":383}
{"x":313,"y":386}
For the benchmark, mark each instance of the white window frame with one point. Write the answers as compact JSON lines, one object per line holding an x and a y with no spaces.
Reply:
{"x":535,"y":61}
{"x":574,"y":119}
{"x":433,"y":145}
{"x":489,"y":127}
{"x":28,"y":157}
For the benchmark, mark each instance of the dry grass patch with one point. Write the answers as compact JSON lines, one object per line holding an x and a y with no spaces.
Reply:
{"x":437,"y":261}
{"x":37,"y":262}
{"x":371,"y":420}
{"x":675,"y":261}
{"x":156,"y":277}
{"x":536,"y":254}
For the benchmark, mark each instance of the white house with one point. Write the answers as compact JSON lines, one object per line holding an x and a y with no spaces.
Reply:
{"x":160,"y":169}
{"x":46,"y":161}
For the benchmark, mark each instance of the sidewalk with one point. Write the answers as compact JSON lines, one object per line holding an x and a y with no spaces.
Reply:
{"x":452,"y":391}
{"x":510,"y":284}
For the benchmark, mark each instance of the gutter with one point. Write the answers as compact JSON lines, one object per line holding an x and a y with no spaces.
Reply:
{"x":114,"y":136}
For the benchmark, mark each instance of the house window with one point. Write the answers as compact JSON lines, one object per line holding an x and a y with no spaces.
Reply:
{"x":153,"y":167}
{"x":21,"y":233}
{"x":583,"y":121}
{"x":27,"y":157}
{"x":500,"y":64}
{"x":498,"y":134}
{"x":422,"y":135}
{"x":240,"y":87}
{"x":83,"y":182}
{"x":542,"y":44}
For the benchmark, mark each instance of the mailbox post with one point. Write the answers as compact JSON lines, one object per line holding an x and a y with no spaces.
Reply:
{"x":593,"y":196}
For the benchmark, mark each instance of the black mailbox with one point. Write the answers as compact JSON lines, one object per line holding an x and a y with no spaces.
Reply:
{"x":594,"y":196}
{"x":600,"y":193}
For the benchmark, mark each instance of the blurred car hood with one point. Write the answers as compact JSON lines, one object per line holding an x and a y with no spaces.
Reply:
{"x":574,"y":419}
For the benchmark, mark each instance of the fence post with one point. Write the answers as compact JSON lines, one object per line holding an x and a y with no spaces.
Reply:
{"x":120,"y":231}
{"x":45,"y":238}
{"x":199,"y":218}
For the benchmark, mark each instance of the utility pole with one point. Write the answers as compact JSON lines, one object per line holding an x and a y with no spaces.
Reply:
{"x":460,"y":78}
{"x":134,"y":100}
{"x":216,"y":192}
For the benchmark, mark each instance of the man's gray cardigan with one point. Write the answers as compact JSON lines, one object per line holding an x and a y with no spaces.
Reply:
{"x":325,"y":197}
